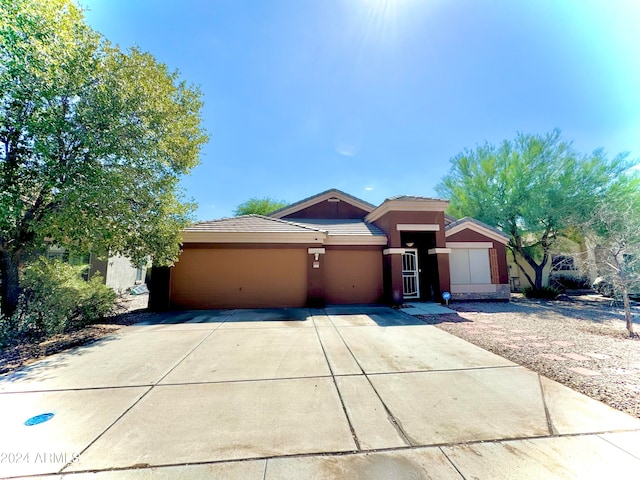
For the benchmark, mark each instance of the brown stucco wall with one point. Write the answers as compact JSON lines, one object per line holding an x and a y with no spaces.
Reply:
{"x":328,"y":209}
{"x":468,"y":235}
{"x":353,"y":276}
{"x":423,"y":241}
{"x":242,"y":278}
{"x":390,"y":220}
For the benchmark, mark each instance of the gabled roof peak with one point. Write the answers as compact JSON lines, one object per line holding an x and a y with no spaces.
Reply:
{"x":469,"y":222}
{"x":321,"y":197}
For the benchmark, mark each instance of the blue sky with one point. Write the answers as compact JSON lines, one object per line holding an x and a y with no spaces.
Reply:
{"x":375,"y":96}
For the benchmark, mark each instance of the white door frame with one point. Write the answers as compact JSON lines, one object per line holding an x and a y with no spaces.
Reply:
{"x":410,"y":273}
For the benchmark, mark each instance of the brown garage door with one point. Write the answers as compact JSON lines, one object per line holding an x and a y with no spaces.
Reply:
{"x":239,"y":278}
{"x":353,"y":276}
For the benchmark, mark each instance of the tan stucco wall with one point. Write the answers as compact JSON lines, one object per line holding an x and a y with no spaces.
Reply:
{"x":518,"y":280}
{"x":249,"y":278}
{"x":353,"y":276}
{"x":121,"y":273}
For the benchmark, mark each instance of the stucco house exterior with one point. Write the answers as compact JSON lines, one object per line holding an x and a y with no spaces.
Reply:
{"x":334,"y":248}
{"x":117,"y":272}
{"x":568,"y":260}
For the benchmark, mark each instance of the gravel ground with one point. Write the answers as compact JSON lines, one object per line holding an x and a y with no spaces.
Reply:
{"x":580,"y":342}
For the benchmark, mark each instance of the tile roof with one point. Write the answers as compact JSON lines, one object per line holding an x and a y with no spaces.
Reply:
{"x":262,"y":224}
{"x":477,"y":222}
{"x":250,"y":223}
{"x":448,"y":219}
{"x":341,"y":226}
{"x":414,"y":198}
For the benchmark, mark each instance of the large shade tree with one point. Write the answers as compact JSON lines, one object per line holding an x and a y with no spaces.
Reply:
{"x":93,"y":142}
{"x":533,"y":188}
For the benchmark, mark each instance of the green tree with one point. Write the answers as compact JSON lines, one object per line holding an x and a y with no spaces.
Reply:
{"x":532,"y":188}
{"x":93,"y":142}
{"x":614,"y":228}
{"x":259,"y":206}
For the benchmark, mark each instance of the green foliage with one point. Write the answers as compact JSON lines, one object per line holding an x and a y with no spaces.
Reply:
{"x":259,"y":206}
{"x":563,"y":281}
{"x":93,"y":141}
{"x":532,"y":188}
{"x":55,"y":299}
{"x":546,"y":293}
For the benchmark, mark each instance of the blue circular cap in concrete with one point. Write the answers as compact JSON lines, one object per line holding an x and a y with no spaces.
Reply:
{"x":446,"y":296}
{"x":43,"y":417}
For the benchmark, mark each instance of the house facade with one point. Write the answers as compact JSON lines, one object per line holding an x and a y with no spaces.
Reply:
{"x":117,"y":272}
{"x":333,"y":248}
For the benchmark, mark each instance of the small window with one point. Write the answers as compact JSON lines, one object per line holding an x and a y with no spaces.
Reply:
{"x":469,"y":266}
{"x":562,"y":262}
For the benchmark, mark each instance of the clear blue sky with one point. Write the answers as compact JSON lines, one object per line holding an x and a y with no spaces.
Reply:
{"x":375,"y":96}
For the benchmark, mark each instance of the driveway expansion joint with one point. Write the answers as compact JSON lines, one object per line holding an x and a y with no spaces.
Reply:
{"x":395,"y":423}
{"x":335,"y":384}
{"x":550,"y":425}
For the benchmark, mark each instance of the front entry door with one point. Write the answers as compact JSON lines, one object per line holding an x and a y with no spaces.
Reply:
{"x":410,"y":280}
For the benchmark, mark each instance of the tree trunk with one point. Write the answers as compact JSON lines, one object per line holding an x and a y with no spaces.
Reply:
{"x":627,"y":310}
{"x":9,"y":282}
{"x":516,"y":247}
{"x":539,"y":270}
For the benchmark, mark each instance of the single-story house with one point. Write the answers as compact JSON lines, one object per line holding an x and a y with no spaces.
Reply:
{"x":334,"y":248}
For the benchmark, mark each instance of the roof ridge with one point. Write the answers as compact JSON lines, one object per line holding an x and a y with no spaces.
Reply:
{"x":414,"y":197}
{"x":331,"y":190}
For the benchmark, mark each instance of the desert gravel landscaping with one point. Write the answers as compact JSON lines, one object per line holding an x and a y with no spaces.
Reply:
{"x":580,"y":341}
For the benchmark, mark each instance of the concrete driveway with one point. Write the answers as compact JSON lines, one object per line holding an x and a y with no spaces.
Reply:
{"x":342,"y":392}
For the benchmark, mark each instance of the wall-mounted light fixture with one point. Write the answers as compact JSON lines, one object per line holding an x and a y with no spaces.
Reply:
{"x":409,"y":244}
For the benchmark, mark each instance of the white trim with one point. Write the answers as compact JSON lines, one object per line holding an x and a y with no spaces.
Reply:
{"x":312,"y":251}
{"x":418,"y":227}
{"x":435,"y":251}
{"x":407,"y":206}
{"x":470,"y":245}
{"x":394,"y":251}
{"x":478,"y":229}
{"x":331,"y":194}
{"x":474,"y":288}
{"x":253,"y":237}
{"x":355,"y":240}
{"x":333,"y":200}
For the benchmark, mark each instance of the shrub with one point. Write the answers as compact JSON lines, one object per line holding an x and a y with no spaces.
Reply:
{"x":544,"y":292}
{"x":55,"y":299}
{"x":568,"y":281}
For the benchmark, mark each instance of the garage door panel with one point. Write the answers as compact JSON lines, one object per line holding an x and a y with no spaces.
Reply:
{"x":353,"y":276}
{"x":247,"y":278}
